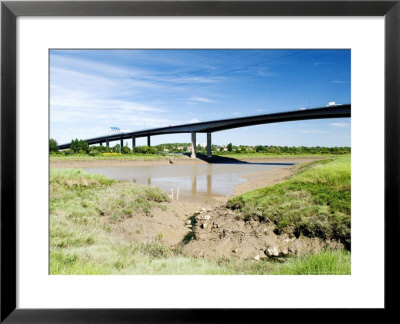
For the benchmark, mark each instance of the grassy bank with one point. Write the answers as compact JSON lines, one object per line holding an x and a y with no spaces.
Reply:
{"x":152,"y":157}
{"x":87,"y":236}
{"x":125,"y":157}
{"x":261,"y":155}
{"x":315,"y":203}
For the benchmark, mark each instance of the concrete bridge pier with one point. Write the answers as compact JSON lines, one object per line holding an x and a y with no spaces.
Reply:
{"x":148,"y":141}
{"x":107,"y":143}
{"x":193,"y":156}
{"x":209,"y":145}
{"x":133,"y":141}
{"x":122,"y":145}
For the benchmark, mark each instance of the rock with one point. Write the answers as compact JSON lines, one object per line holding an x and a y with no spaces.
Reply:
{"x":236,"y":250}
{"x":257,"y":257}
{"x":188,"y":226}
{"x":272,"y":251}
{"x":207,"y":217}
{"x":204,"y":225}
{"x":216,"y":225}
{"x":285,"y":252}
{"x":188,"y":222}
{"x":203,"y":210}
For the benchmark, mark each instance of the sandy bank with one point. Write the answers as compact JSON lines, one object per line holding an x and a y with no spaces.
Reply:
{"x":179,"y":161}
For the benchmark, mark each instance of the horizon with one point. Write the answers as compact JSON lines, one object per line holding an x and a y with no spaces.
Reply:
{"x":93,"y":90}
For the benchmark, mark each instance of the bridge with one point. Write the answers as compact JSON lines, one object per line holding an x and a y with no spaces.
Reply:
{"x":338,"y":111}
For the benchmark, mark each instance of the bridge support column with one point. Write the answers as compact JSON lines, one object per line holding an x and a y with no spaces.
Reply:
{"x":208,"y":145}
{"x":193,"y":156}
{"x":107,"y":143}
{"x":133,"y":141}
{"x":148,"y":141}
{"x":122,"y":145}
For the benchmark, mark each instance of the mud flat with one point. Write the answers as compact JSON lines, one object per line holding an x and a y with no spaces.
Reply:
{"x":211,"y":230}
{"x":208,"y":228}
{"x":178,"y":161}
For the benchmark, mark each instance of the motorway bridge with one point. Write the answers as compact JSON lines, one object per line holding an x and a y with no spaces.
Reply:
{"x":338,"y":111}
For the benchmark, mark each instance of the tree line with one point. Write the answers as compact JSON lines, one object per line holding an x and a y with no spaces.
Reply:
{"x":82,"y":147}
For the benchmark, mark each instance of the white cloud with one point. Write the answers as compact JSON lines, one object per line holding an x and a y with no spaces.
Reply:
{"x":192,"y":121}
{"x":308,"y":131}
{"x":339,"y":124}
{"x":339,"y":81}
{"x":202,"y":99}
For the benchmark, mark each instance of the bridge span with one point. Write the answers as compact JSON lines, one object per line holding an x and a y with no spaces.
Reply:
{"x":339,"y":111}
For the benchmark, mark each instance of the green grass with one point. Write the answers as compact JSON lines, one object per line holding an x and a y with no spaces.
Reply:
{"x":316,"y":202}
{"x":128,"y":157}
{"x":260,"y":155}
{"x":151,"y":157}
{"x":324,"y":263}
{"x":85,"y":229}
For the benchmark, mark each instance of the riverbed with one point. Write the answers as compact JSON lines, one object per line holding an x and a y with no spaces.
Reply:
{"x":191,"y":181}
{"x":194,"y":180}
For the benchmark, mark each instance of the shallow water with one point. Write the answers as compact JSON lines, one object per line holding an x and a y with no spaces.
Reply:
{"x":195,"y":181}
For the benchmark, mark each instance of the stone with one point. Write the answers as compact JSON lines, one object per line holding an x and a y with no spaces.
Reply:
{"x":285,"y":252}
{"x":204,"y":225}
{"x":235,"y":250}
{"x":207,"y":217}
{"x":188,"y":222}
{"x":203,"y":210}
{"x":257,"y":257}
{"x":272,"y":251}
{"x":188,"y":226}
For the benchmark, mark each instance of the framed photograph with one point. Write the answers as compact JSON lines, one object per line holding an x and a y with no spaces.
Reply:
{"x":162,"y":160}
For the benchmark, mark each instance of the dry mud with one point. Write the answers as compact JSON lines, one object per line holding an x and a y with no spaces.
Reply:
{"x":222,"y":232}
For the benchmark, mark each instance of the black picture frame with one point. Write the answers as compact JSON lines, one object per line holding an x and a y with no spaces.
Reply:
{"x":10,"y":10}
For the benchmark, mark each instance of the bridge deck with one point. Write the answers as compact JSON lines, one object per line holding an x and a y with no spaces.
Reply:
{"x":224,"y":124}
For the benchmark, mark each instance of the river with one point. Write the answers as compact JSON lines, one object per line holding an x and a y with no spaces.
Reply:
{"x":193,"y":181}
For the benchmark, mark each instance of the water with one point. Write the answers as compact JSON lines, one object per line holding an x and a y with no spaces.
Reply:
{"x":195,"y":181}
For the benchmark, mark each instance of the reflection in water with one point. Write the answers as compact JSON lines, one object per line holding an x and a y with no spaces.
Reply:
{"x":195,"y":181}
{"x":194,"y":184}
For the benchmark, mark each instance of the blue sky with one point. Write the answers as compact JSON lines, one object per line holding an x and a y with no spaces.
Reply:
{"x":92,"y":90}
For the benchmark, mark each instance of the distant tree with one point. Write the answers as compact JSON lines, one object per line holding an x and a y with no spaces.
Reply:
{"x":260,"y":148}
{"x":229,"y":147}
{"x":75,"y":146}
{"x":125,"y":150}
{"x":117,"y":148}
{"x":84,"y":146}
{"x":53,"y":146}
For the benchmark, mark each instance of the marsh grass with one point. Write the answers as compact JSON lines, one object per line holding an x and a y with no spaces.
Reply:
{"x":315,"y":202}
{"x":324,"y":263}
{"x":115,"y":156}
{"x":86,"y":212}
